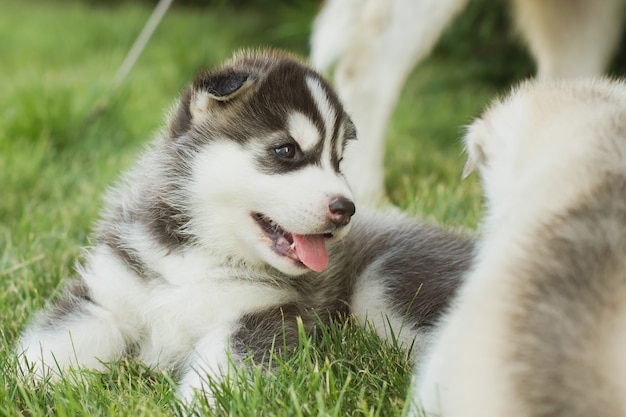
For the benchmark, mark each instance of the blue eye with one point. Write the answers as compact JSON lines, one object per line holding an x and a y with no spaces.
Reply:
{"x":286,"y":151}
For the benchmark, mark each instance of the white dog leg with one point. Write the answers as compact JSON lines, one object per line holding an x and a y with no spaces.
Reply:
{"x":392,"y":36}
{"x":570,"y":38}
{"x":333,"y":30}
{"x":208,"y":360}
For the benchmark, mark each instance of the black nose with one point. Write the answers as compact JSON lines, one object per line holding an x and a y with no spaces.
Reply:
{"x":341,"y":210}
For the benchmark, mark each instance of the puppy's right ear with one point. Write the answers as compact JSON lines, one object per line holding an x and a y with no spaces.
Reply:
{"x":474,"y":148}
{"x":208,"y":90}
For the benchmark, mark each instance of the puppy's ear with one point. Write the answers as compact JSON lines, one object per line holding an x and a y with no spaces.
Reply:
{"x":223,"y":85}
{"x":211,"y":89}
{"x":207,"y":90}
{"x":474,"y":148}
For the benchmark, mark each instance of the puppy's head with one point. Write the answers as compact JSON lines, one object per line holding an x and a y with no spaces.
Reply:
{"x":491,"y":144}
{"x":261,"y":139}
{"x":542,"y":139}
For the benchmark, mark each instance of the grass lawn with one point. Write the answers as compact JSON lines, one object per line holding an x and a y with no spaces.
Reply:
{"x":65,"y":134}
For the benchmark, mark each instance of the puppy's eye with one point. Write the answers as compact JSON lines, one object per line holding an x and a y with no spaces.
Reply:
{"x":286,"y":151}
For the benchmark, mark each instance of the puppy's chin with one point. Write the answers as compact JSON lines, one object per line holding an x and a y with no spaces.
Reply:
{"x":291,"y":268}
{"x":288,"y":265}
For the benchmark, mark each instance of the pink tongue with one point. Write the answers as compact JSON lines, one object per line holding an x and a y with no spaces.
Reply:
{"x":311,"y":249}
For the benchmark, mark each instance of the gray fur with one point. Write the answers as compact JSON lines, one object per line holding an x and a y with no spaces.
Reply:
{"x":419,"y":265}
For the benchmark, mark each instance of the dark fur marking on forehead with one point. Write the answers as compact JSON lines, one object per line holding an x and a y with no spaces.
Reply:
{"x":279,"y":88}
{"x":334,"y":159}
{"x":343,"y":131}
{"x":284,"y":92}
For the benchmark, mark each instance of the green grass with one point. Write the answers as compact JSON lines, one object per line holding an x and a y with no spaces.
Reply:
{"x":65,"y":134}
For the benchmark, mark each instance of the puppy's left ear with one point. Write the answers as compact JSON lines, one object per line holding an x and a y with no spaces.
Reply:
{"x":473,"y":148}
{"x":211,"y":89}
{"x":224,"y":85}
{"x":207,"y":90}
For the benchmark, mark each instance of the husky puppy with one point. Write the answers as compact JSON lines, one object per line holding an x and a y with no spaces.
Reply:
{"x":377,"y":43}
{"x":539,"y":325}
{"x":232,"y":228}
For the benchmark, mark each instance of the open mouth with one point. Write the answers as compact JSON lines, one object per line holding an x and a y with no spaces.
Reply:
{"x":309,"y":250}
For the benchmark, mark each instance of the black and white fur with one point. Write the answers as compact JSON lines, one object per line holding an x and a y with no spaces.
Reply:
{"x":539,"y":326}
{"x":209,"y":244}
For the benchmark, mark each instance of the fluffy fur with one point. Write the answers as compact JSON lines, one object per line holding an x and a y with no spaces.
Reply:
{"x":375,"y":44}
{"x":539,"y":325}
{"x":231,"y":228}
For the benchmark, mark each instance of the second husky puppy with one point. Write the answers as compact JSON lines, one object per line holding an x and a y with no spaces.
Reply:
{"x":539,"y":326}
{"x":229,"y":230}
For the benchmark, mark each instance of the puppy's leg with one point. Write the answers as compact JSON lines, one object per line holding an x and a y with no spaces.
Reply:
{"x":570,"y":38}
{"x":76,"y":332}
{"x":255,"y":335}
{"x":333,"y":31}
{"x":389,"y":39}
{"x":209,"y":359}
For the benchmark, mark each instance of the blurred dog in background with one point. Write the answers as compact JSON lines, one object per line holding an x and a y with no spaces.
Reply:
{"x":539,"y":325}
{"x":376,"y":43}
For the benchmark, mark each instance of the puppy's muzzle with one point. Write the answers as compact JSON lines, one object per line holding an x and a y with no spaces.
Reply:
{"x":340,"y":211}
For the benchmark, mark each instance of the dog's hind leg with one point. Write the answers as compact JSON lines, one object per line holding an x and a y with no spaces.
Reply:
{"x":333,"y":30}
{"x":75,"y":332}
{"x":207,"y":365}
{"x":570,"y":38}
{"x":386,"y":39}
